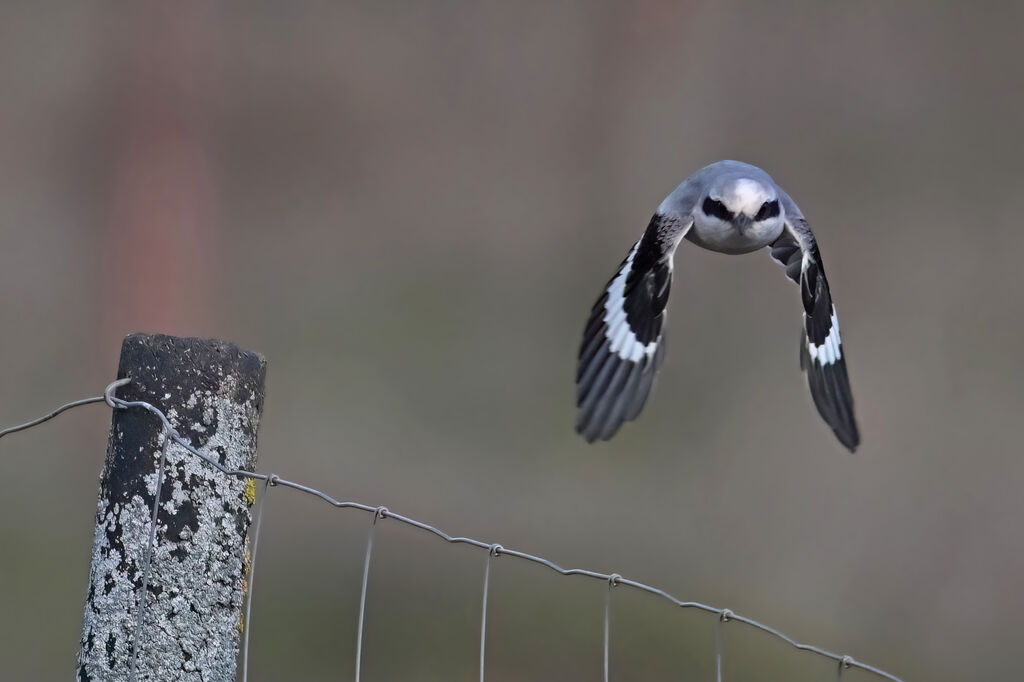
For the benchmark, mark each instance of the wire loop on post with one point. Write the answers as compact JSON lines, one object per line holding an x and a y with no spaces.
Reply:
{"x":147,"y":557}
{"x":268,"y":482}
{"x":844,"y":663}
{"x":108,"y":392}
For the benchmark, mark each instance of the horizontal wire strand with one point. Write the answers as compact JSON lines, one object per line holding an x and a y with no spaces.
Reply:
{"x":48,"y":417}
{"x":117,"y":403}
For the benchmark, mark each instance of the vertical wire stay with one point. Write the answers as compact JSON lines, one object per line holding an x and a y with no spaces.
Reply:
{"x":247,"y":623}
{"x":379,"y":513}
{"x":495,"y":550}
{"x":147,"y":558}
{"x":723,"y":617}
{"x":613,"y":581}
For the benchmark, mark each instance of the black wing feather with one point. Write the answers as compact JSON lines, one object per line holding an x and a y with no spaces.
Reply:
{"x":612,"y":386}
{"x":822,"y":354}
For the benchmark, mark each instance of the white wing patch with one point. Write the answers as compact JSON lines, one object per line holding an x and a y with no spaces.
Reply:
{"x":830,"y":351}
{"x":623,"y":341}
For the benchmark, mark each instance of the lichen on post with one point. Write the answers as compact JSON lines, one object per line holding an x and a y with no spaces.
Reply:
{"x":212,"y":394}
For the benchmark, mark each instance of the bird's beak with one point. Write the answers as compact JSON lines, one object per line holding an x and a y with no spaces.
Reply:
{"x":742,"y":222}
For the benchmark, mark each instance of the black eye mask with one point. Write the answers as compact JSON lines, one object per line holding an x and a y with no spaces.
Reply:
{"x":769,"y":209}
{"x":713,"y":207}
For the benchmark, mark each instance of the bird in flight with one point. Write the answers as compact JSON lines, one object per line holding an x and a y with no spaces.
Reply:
{"x":729,"y":207}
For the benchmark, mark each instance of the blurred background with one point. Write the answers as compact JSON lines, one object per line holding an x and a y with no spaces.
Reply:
{"x":410,"y":210}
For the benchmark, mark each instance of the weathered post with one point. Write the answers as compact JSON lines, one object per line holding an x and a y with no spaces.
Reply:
{"x":212,"y":394}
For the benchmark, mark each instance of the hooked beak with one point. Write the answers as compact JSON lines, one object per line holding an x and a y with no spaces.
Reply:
{"x":742,"y":222}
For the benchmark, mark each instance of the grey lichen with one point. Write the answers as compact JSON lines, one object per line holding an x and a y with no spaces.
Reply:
{"x":196,"y":579}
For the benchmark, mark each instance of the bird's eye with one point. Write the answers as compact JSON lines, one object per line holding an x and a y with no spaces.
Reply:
{"x":769,"y":209}
{"x":713,"y":207}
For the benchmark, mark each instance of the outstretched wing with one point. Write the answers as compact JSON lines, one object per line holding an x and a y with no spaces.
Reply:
{"x":623,"y":342}
{"x":821,"y":351}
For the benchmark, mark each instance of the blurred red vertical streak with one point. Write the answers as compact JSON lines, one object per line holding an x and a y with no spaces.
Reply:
{"x":161,"y":235}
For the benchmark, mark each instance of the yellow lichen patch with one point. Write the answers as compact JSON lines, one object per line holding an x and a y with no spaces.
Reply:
{"x":250,"y":491}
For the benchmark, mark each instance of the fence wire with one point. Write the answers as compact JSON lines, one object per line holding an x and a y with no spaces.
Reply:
{"x":379,"y":513}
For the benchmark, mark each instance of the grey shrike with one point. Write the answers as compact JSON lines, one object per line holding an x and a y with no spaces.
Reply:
{"x":729,"y":207}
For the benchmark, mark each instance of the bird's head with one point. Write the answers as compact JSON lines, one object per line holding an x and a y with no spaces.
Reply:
{"x":742,"y":202}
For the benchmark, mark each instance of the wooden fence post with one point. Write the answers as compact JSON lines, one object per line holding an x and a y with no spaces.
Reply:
{"x":212,"y":393}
